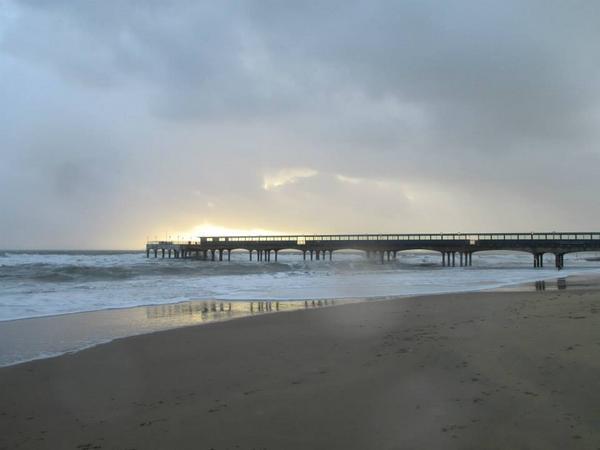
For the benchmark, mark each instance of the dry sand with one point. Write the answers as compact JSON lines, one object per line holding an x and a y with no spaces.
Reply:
{"x":493,"y":370}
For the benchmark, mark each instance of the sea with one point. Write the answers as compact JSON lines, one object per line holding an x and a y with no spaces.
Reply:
{"x":54,"y":302}
{"x":42,"y":283}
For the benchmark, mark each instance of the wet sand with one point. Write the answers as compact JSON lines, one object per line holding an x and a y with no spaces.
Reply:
{"x":41,"y":337}
{"x":488,"y":370}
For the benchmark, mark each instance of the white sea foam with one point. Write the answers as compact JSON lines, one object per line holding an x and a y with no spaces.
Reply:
{"x":36,"y":284}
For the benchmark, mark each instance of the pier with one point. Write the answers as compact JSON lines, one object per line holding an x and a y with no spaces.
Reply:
{"x":455,"y":249}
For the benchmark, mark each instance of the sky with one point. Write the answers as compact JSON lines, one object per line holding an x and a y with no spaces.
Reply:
{"x":122,"y":121}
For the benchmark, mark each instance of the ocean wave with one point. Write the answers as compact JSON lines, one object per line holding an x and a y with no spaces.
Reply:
{"x":54,"y":273}
{"x":76,"y":269}
{"x":44,"y":283}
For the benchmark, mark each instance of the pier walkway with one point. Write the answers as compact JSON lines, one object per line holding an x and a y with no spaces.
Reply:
{"x":455,"y":249}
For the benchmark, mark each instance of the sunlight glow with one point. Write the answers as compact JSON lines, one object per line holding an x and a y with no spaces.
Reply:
{"x":208,"y":229}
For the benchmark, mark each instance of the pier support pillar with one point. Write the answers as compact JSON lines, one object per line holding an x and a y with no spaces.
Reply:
{"x":311,"y":255}
{"x":304,"y":255}
{"x":318,"y":254}
{"x":163,"y":253}
{"x":212,"y":255}
{"x":330,"y":255}
{"x":470,"y":258}
{"x":147,"y":253}
{"x":156,"y":253}
{"x":559,"y":260}
{"x":444,"y":259}
{"x":460,"y":255}
{"x":228,"y":255}
{"x":453,"y":259}
{"x":381,"y":256}
{"x":276,"y":251}
{"x":250,"y":254}
{"x":538,"y":260}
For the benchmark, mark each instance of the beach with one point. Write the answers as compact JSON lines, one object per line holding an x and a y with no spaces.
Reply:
{"x":509,"y":369}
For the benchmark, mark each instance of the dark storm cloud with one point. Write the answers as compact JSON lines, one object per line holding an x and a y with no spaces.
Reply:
{"x":402,"y":110}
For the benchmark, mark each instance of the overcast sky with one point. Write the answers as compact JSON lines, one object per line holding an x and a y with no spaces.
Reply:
{"x":126,"y":119}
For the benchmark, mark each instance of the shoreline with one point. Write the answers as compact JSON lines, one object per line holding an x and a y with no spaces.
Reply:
{"x":469,"y":370}
{"x":124,"y":331}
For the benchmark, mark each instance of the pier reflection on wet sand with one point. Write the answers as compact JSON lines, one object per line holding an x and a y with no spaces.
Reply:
{"x":553,"y":285}
{"x":208,"y":311}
